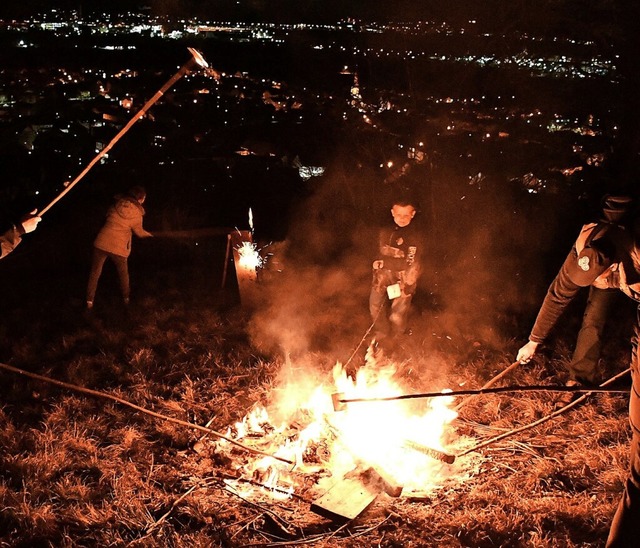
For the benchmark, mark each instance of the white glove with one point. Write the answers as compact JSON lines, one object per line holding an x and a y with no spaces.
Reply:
{"x":526,"y":352}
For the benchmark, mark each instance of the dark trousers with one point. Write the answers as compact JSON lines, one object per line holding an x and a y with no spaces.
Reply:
{"x":584,"y":363}
{"x":99,"y":257}
{"x":389,"y":316}
{"x":624,"y":531}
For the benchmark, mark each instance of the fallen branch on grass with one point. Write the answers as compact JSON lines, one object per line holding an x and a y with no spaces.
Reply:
{"x":239,"y":479}
{"x":280,"y":521}
{"x":322,"y":536}
{"x":104,"y":395}
{"x":156,"y":524}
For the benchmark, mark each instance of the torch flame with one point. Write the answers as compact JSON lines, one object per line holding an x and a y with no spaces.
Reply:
{"x":249,"y":256}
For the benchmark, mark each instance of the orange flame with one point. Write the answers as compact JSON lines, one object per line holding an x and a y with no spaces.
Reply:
{"x":382,"y":434}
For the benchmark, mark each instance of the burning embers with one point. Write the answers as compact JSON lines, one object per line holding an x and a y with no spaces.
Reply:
{"x":354,"y":453}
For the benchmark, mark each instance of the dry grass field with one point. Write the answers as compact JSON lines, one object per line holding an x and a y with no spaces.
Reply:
{"x":83,"y":469}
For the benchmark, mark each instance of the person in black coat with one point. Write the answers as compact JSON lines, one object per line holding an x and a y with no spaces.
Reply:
{"x":396,"y":269}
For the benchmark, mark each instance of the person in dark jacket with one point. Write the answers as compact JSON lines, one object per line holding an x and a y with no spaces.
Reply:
{"x":113,"y":241}
{"x":590,"y":261}
{"x":396,"y":269}
{"x":611,"y":260}
{"x":11,"y":236}
{"x":585,"y":361}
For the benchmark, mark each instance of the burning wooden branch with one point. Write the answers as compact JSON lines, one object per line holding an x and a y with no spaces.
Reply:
{"x":196,"y":60}
{"x":429,"y":451}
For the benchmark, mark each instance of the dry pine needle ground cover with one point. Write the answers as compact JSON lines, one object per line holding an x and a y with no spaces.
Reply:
{"x":84,"y":471}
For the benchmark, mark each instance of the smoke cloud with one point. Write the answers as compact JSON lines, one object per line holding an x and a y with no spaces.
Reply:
{"x":482,"y":280}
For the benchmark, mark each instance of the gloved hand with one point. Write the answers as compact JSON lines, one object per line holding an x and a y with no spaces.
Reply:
{"x":526,"y":352}
{"x":30,"y":222}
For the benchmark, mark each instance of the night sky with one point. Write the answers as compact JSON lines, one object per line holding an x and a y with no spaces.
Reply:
{"x":595,"y":19}
{"x":312,"y":10}
{"x":499,"y":12}
{"x":267,"y":9}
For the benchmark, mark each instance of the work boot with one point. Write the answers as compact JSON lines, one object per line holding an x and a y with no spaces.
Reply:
{"x":565,"y":398}
{"x":587,"y":383}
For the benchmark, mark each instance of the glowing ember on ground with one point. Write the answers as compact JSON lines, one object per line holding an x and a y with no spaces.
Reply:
{"x":329,"y":444}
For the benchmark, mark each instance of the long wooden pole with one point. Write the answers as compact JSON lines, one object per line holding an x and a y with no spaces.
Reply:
{"x":489,"y":383}
{"x":98,"y":394}
{"x":340,"y":399}
{"x":195,"y":59}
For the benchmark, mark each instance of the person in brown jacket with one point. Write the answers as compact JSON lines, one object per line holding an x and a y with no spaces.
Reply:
{"x":124,"y":219}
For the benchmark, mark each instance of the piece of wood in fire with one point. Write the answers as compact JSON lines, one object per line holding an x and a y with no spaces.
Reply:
{"x":246,"y":260}
{"x":349,"y":496}
{"x":430,"y":451}
{"x":389,"y":485}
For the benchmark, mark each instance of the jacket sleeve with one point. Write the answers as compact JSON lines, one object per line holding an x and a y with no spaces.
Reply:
{"x":9,"y":239}
{"x":414,"y":261}
{"x":139,"y":231}
{"x":560,"y":293}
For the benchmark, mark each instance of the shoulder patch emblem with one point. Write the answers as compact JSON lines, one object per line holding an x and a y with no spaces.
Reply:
{"x":583,"y":263}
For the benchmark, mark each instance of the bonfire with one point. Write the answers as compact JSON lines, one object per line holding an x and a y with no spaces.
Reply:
{"x":401,"y":448}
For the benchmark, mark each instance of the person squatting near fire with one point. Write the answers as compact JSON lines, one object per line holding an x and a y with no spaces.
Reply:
{"x":607,"y":255}
{"x":124,"y":218}
{"x":11,"y":236}
{"x":584,"y":367}
{"x":396,"y":269}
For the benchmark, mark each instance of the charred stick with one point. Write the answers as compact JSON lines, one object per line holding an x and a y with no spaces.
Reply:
{"x":339,"y":400}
